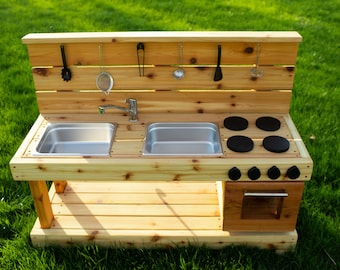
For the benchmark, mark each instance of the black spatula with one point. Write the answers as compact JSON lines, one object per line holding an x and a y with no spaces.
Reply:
{"x":65,"y":72}
{"x":218,"y":72}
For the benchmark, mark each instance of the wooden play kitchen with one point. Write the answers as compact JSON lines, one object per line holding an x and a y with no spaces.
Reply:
{"x":158,"y":139}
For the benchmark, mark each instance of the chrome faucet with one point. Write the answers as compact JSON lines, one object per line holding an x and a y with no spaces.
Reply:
{"x":132,"y":109}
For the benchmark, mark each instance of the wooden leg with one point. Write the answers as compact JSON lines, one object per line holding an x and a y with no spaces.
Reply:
{"x":42,"y":203}
{"x":60,"y":186}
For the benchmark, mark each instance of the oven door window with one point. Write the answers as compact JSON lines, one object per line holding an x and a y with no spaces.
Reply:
{"x":262,"y":204}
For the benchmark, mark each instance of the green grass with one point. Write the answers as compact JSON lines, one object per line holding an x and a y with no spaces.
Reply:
{"x":315,"y":111}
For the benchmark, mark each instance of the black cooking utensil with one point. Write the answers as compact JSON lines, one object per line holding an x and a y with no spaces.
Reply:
{"x":65,"y":72}
{"x":140,"y":58}
{"x":218,"y":72}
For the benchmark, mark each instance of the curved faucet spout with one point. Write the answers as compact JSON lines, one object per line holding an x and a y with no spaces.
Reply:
{"x":132,"y":109}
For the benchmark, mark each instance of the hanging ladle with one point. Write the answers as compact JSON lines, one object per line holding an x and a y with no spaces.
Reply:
{"x":104,"y":79}
{"x":255,"y":71}
{"x":179,"y":72}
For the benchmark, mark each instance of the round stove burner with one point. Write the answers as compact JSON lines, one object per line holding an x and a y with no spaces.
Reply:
{"x":240,"y":144}
{"x":268,"y":123}
{"x":235,"y":123}
{"x":276,"y":144}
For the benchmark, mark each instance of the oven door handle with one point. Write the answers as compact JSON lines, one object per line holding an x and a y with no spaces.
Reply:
{"x":265,"y":194}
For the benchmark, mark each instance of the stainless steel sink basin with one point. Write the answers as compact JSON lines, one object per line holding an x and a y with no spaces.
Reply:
{"x":182,"y":139}
{"x":74,"y":139}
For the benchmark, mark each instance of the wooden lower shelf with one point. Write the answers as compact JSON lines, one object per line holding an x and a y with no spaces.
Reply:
{"x":145,"y":214}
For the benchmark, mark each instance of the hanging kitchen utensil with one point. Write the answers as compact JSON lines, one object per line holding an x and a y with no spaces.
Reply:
{"x":104,"y":80}
{"x":255,"y":71}
{"x":179,"y":72}
{"x":140,"y":58}
{"x":65,"y":72}
{"x":218,"y":72}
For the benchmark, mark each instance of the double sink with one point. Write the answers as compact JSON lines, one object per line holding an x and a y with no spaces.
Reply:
{"x":162,"y":139}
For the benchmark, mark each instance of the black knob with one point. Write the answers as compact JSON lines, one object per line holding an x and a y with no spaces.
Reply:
{"x":293,"y":172}
{"x":234,"y":173}
{"x":254,"y":173}
{"x":273,"y":172}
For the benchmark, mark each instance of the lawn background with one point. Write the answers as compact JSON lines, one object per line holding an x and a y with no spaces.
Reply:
{"x":315,"y":109}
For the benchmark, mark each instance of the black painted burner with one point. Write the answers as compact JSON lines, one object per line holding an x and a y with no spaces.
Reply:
{"x":235,"y":123}
{"x":276,"y":144}
{"x":268,"y":123}
{"x":240,"y":144}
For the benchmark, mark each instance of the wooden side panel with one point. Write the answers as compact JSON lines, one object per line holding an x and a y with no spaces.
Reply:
{"x":234,"y":203}
{"x":167,"y":101}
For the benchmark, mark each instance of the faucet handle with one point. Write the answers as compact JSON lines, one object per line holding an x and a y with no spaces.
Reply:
{"x":130,"y":100}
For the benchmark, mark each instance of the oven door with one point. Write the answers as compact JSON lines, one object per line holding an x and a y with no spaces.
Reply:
{"x":261,"y":206}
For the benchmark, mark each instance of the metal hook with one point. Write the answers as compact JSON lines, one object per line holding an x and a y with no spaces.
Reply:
{"x":180,"y":55}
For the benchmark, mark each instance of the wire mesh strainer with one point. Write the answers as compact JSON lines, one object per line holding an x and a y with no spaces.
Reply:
{"x":104,"y":80}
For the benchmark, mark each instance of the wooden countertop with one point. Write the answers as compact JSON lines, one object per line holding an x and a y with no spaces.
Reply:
{"x":126,"y":161}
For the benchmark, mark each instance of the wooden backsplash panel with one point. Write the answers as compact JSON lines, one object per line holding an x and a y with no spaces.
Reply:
{"x":158,"y":90}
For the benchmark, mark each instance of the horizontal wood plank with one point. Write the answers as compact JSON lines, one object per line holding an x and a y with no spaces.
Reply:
{"x":167,"y":102}
{"x":157,"y":197}
{"x":280,"y":242}
{"x":163,"y":36}
{"x":141,"y":187}
{"x":133,"y":223}
{"x":135,"y":210}
{"x":131,"y":168}
{"x":161,"y":78}
{"x":194,"y":53}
